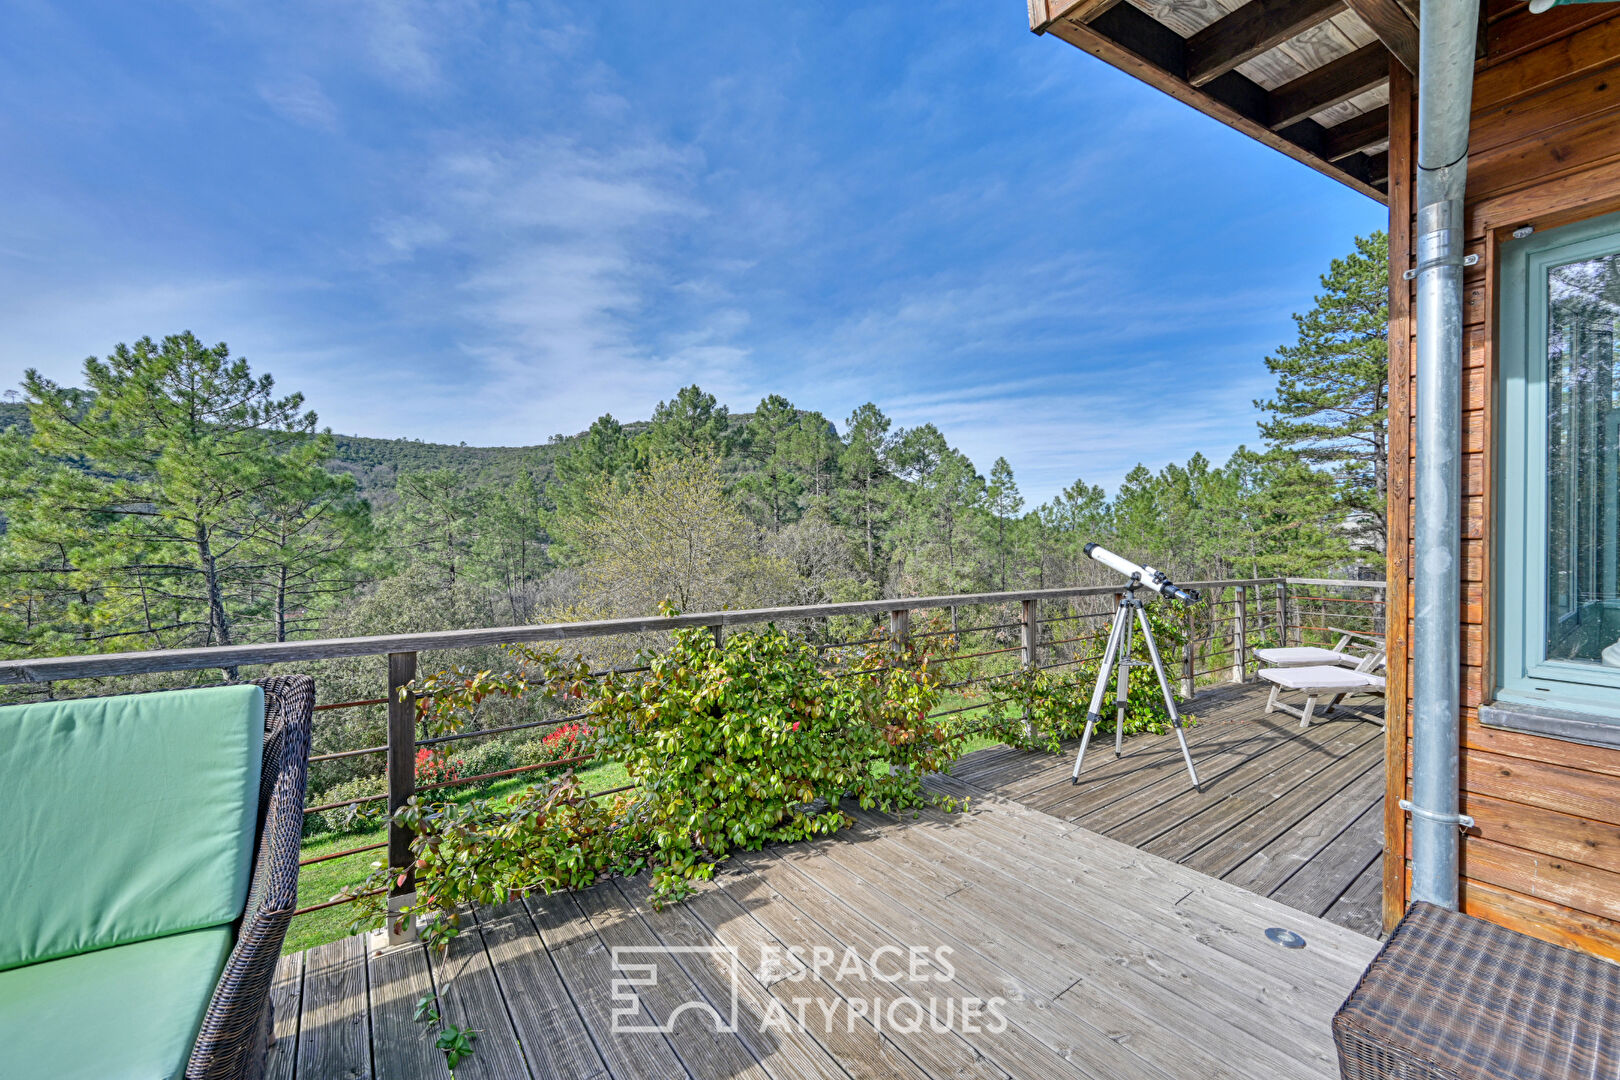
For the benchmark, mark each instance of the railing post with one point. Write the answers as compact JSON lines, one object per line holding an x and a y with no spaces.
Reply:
{"x":401,"y":787}
{"x":899,"y":628}
{"x":719,"y":633}
{"x":1240,"y":632}
{"x":1187,"y":667}
{"x":1282,"y":612}
{"x":1031,"y":631}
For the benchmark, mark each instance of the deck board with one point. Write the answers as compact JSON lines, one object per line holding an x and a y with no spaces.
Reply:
{"x":1111,"y":962}
{"x":401,"y":1047}
{"x":1292,"y":813}
{"x":548,"y":1024}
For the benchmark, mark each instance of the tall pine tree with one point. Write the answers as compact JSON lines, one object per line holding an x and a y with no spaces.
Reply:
{"x":1332,"y":401}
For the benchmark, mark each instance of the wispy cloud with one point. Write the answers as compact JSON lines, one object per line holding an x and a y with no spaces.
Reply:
{"x":299,"y":98}
{"x":491,"y":222}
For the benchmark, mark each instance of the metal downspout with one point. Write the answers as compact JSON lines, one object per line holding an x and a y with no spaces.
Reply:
{"x":1445,"y":96}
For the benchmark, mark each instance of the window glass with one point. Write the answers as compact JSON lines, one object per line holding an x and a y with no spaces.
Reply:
{"x":1583,"y":469}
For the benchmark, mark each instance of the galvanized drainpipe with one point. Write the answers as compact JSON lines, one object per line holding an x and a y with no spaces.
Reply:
{"x":1445,"y":97}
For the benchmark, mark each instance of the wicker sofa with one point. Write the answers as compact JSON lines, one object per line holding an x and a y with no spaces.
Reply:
{"x":152,"y":845}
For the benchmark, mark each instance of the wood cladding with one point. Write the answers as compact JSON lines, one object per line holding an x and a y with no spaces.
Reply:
{"x":1544,"y":857}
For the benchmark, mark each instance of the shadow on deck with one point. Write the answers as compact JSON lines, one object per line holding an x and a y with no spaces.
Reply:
{"x":1006,"y":941}
{"x":1290,"y":813}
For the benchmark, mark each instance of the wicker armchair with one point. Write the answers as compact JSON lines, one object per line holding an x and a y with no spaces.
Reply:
{"x":236,"y":1036}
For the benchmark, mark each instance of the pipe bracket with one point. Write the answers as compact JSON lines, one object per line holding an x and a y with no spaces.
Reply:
{"x":1443,"y":260}
{"x":1462,"y":821}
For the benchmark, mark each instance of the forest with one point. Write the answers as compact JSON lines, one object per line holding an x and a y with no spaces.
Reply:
{"x":177,"y":498}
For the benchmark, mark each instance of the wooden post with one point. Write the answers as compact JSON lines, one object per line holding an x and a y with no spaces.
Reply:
{"x":401,"y":787}
{"x":1031,"y":631}
{"x":899,"y":628}
{"x":953,"y":620}
{"x":1031,"y":635}
{"x":1187,"y":667}
{"x":719,"y":633}
{"x":1282,"y":612}
{"x":1240,"y":633}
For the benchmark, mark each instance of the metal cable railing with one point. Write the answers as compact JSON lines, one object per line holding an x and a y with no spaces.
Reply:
{"x":1218,"y":639}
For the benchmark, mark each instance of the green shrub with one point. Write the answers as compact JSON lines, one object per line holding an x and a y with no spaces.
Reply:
{"x":486,"y":756}
{"x":731,"y":746}
{"x":351,"y":819}
{"x":1039,"y":709}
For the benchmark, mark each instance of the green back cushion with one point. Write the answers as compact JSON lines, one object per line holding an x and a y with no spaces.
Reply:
{"x":126,"y":818}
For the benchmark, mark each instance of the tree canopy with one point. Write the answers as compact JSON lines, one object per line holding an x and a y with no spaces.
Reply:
{"x":175,"y":498}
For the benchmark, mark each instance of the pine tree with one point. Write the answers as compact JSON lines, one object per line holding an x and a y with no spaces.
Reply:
{"x":768,"y":440}
{"x":1004,"y":502}
{"x":1332,"y":401}
{"x":866,"y":466}
{"x":605,"y":451}
{"x":691,"y":424}
{"x":163,"y":501}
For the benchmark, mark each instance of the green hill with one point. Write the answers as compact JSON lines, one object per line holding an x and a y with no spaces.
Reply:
{"x":377,"y":463}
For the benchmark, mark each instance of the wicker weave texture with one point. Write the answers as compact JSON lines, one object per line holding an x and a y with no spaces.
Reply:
{"x":234,"y":1038}
{"x":1452,"y":997}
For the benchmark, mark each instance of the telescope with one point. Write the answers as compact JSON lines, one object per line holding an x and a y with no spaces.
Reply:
{"x":1157,"y":580}
{"x":1117,"y":655}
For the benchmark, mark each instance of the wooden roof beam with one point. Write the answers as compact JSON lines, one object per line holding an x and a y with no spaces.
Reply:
{"x":1043,"y":13}
{"x":1252,"y":29}
{"x":1378,"y":168}
{"x":1395,"y":26}
{"x":1134,"y":42}
{"x":1357,"y":134}
{"x":1332,"y":84}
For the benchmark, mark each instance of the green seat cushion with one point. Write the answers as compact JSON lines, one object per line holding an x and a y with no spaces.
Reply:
{"x":126,"y":818}
{"x":126,"y":1013}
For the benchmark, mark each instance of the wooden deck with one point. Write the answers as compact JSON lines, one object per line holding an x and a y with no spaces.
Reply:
{"x":1294,"y":814}
{"x":1106,"y":961}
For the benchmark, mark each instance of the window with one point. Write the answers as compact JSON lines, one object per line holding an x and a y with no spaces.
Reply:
{"x":1559,"y":519}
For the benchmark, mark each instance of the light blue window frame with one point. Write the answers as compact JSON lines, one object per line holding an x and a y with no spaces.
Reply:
{"x":1524,"y":674}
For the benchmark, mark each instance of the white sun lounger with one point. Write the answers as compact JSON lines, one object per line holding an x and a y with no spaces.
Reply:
{"x":1315,"y":655}
{"x":1316,"y":681}
{"x":1302,"y":656}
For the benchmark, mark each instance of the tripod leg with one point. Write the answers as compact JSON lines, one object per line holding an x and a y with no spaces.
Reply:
{"x":1169,"y":698}
{"x":1122,"y":691}
{"x":1114,"y":633}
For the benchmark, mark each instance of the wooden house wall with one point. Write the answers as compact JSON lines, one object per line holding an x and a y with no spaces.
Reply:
{"x":1544,"y":856}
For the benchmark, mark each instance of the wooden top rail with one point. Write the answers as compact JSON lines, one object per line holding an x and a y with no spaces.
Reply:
{"x":1335,"y":581}
{"x":52,"y":669}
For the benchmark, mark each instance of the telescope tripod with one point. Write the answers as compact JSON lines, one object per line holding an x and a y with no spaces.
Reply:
{"x":1118,"y":655}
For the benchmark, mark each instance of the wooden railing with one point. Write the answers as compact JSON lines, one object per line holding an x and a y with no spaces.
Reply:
{"x":1037,"y":629}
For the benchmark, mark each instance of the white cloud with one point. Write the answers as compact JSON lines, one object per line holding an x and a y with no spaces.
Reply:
{"x":299,"y":98}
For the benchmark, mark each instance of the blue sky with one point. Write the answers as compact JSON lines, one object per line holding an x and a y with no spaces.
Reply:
{"x":493,"y":222}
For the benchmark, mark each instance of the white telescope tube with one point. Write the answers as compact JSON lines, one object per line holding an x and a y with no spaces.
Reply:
{"x":1156,"y":580}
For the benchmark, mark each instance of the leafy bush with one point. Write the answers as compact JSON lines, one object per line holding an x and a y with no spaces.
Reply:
{"x":564,"y":742}
{"x":350,"y":819}
{"x":1039,"y":709}
{"x":487,"y":756}
{"x":543,"y":838}
{"x":731,"y":746}
{"x":435,"y":766}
